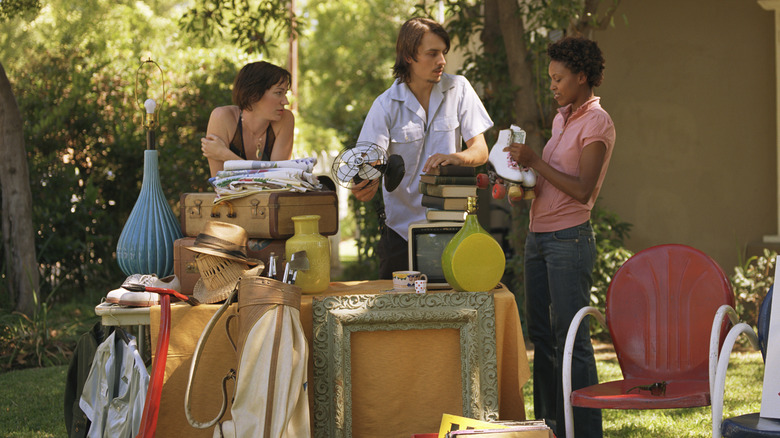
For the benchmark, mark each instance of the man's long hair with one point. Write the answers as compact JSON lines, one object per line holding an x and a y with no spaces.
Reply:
{"x":409,"y":38}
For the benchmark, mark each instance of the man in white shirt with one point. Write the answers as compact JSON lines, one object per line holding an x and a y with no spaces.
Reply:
{"x":423,"y":117}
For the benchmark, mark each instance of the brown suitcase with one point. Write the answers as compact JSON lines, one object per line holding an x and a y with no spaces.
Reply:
{"x":265,"y":215}
{"x":186,"y":269}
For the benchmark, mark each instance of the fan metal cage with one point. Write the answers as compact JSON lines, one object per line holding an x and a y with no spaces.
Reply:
{"x":364,"y":161}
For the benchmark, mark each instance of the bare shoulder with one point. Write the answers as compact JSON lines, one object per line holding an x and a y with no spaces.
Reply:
{"x":287,"y":117}
{"x":225,"y":114}
{"x":286,"y":123}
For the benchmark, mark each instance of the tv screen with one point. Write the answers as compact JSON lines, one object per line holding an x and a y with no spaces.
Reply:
{"x":426,"y":245}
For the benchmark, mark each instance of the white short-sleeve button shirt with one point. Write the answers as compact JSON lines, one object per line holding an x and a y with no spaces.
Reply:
{"x":398,"y":123}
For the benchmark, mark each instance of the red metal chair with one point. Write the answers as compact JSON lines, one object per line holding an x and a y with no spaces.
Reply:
{"x":660,"y":309}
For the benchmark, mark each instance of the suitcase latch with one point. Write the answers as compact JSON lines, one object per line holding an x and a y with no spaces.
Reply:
{"x":256,"y":210}
{"x":195,"y":211}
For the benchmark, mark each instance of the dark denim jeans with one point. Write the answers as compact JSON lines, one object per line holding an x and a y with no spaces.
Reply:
{"x":393,"y":251}
{"x":558,"y":278}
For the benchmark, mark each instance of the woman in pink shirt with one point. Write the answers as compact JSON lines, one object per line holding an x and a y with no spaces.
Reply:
{"x":560,"y":249}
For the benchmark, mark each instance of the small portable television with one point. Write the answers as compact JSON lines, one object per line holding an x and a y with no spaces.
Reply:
{"x":427,"y":241}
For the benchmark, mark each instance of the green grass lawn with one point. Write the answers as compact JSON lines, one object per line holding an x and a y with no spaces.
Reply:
{"x":31,"y":402}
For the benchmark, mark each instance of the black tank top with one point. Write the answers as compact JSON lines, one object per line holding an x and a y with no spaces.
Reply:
{"x":237,"y":143}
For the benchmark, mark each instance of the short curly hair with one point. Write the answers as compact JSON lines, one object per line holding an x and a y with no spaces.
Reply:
{"x":580,"y":55}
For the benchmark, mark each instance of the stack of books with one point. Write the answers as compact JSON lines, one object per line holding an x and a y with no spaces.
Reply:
{"x":453,"y":426}
{"x":446,"y":190}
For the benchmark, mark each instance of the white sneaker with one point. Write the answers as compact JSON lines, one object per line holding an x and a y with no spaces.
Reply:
{"x":125,"y":297}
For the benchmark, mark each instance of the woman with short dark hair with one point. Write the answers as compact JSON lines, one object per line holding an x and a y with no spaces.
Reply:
{"x":257,"y":126}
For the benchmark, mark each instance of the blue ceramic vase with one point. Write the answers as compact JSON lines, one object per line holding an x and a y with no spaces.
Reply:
{"x":146,"y":243}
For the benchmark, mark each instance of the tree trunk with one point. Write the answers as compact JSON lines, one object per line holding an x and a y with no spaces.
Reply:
{"x":491,"y":39}
{"x":22,"y":277}
{"x":520,"y":72}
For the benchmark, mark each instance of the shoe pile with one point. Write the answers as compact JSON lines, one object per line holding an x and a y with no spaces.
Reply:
{"x":125,"y":297}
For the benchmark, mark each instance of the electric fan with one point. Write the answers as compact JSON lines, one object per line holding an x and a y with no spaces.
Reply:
{"x":367,"y":161}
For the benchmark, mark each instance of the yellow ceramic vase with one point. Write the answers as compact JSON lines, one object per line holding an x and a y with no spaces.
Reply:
{"x":473,"y":261}
{"x":307,"y":238}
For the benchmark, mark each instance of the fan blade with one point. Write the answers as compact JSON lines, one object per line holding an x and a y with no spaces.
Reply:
{"x":348,"y":155}
{"x":369,"y":172}
{"x":345,"y":173}
{"x":375,"y":155}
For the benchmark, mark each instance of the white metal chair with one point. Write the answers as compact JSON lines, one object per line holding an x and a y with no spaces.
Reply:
{"x":749,"y":425}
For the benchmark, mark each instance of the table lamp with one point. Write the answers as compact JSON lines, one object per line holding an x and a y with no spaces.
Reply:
{"x":146,"y":243}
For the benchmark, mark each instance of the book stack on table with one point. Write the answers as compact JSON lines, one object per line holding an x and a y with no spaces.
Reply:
{"x":446,"y":190}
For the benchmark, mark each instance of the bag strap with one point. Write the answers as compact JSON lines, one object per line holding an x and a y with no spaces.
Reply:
{"x":193,"y":366}
{"x":148,"y":426}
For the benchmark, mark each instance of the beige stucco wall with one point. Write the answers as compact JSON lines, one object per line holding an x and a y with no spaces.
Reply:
{"x":690,"y":85}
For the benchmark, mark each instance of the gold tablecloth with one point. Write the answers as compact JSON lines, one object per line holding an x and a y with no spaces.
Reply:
{"x":218,"y":357}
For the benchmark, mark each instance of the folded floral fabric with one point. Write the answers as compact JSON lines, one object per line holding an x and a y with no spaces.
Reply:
{"x":307,"y":164}
{"x":236,"y":184}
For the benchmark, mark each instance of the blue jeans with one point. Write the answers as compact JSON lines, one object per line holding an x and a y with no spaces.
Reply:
{"x":558,"y":278}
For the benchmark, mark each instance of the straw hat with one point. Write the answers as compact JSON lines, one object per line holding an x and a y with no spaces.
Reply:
{"x":224,"y":240}
{"x":222,"y":260}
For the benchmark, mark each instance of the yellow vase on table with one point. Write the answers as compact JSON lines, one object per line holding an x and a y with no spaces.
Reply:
{"x":307,"y":238}
{"x":473,"y":261}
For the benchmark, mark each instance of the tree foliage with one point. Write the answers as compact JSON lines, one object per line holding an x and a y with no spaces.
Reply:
{"x":252,"y":25}
{"x":13,"y":8}
{"x":347,"y":56}
{"x":76,"y":90}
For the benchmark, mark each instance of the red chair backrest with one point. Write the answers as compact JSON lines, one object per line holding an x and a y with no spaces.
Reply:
{"x":660,"y":307}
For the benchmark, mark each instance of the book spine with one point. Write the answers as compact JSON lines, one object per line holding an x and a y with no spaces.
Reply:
{"x":454,"y":171}
{"x":446,"y":191}
{"x":434,"y":214}
{"x":433,"y":202}
{"x":430,"y":189}
{"x":444,"y":203}
{"x":451,"y":180}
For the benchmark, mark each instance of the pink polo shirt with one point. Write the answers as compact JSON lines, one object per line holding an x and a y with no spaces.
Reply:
{"x":553,"y":210}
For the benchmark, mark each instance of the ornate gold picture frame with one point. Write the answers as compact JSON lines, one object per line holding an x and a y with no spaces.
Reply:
{"x":466,"y":317}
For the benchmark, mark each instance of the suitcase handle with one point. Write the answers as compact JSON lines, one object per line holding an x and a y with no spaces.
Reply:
{"x":215,"y":210}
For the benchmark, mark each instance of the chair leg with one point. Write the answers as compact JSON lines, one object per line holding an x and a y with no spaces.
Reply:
{"x":717,"y":393}
{"x":723,"y":312}
{"x":568,"y":352}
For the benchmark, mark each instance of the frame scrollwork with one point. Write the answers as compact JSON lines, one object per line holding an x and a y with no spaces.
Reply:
{"x":335,"y":318}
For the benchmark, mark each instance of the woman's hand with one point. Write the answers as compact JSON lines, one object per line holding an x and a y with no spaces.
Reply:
{"x":522,"y":154}
{"x":214,"y":148}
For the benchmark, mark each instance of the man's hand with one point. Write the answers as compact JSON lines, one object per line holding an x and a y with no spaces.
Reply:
{"x":365,"y":190}
{"x":437,"y":160}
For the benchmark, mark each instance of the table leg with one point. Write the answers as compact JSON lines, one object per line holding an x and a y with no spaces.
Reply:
{"x":141,"y":338}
